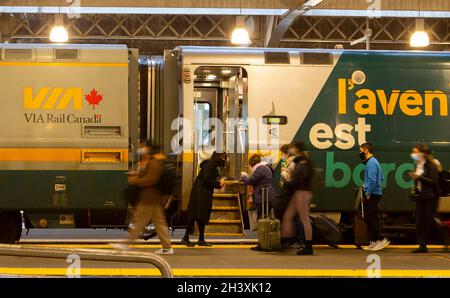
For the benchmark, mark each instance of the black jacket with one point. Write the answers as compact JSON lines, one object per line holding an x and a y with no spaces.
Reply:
{"x":303,"y":173}
{"x":429,"y":179}
{"x":200,"y":202}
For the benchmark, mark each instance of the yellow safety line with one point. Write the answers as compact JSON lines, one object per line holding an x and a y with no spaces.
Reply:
{"x":184,"y":272}
{"x":222,"y":246}
{"x":63,"y":64}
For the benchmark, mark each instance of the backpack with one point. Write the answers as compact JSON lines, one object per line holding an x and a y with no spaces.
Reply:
{"x":444,"y":182}
{"x":168,"y":180}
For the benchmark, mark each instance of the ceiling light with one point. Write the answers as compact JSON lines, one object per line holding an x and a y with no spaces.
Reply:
{"x":211,"y":77}
{"x":420,"y":37}
{"x":58,"y":32}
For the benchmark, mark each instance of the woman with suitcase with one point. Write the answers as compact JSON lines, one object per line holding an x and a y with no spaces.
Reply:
{"x":301,"y":187}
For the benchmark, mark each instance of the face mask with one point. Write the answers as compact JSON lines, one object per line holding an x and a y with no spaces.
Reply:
{"x":283,"y":157}
{"x":415,"y":156}
{"x":143,"y":151}
{"x":362,"y":155}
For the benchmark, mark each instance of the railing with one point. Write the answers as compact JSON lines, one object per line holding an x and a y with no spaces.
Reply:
{"x":90,"y":254}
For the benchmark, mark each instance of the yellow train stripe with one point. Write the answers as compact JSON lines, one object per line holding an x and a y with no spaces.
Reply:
{"x":220,"y":272}
{"x":51,"y":154}
{"x":82,"y":64}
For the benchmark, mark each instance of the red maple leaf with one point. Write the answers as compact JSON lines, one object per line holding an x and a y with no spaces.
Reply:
{"x":93,"y":98}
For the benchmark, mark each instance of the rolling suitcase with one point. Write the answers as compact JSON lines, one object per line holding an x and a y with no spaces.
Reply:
{"x":359,"y":224}
{"x":329,"y":230}
{"x":269,"y":235}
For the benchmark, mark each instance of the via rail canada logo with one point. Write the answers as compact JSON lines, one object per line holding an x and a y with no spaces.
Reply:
{"x":60,"y":99}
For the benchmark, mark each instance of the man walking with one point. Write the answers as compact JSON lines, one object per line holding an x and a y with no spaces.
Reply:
{"x":373,"y":177}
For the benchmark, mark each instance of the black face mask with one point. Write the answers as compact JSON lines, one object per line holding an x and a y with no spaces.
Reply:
{"x":362,"y":156}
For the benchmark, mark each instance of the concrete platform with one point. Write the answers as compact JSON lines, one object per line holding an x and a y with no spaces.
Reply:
{"x":240,"y":261}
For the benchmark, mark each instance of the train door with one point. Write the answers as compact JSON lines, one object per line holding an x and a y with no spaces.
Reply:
{"x":220,"y":116}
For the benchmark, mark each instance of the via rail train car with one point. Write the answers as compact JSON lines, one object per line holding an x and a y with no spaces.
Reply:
{"x":67,"y":122}
{"x":253,"y":100}
{"x":73,"y":114}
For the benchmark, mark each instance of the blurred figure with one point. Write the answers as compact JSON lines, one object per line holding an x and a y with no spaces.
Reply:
{"x":262,"y":177}
{"x":301,"y":189}
{"x":425,"y":194}
{"x":149,"y":207}
{"x":372,"y":194}
{"x":285,"y":161}
{"x":200,"y":202}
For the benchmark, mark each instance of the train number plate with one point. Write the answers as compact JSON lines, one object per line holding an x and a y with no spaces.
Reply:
{"x":60,"y":187}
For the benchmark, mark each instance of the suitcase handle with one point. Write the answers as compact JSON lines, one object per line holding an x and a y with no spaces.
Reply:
{"x":265,"y":201}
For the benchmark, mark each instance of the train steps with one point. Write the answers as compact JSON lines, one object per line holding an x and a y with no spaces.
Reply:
{"x":226,"y":216}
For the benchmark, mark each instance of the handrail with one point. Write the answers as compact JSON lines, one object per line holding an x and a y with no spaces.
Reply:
{"x":90,"y":254}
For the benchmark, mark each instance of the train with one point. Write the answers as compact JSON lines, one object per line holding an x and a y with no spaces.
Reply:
{"x":72,"y":117}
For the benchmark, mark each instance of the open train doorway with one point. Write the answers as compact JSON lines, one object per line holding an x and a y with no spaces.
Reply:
{"x":220,"y":116}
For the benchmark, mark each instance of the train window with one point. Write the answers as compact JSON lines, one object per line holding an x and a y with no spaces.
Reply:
{"x":277,"y":58}
{"x":18,"y":54}
{"x":202,"y":112}
{"x":66,"y":54}
{"x":316,"y":58}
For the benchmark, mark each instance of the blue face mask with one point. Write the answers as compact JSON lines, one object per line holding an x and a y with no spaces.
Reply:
{"x":415,"y":156}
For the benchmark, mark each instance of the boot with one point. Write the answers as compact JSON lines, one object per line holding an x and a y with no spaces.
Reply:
{"x":307,"y":250}
{"x":186,"y":242}
{"x":421,"y":250}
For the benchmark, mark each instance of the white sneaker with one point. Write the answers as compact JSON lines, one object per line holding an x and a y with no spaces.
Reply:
{"x":371,"y":246}
{"x":381,"y":244}
{"x":120,"y":246}
{"x":164,"y":251}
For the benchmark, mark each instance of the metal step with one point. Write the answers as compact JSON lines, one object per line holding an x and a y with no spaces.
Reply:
{"x":225,"y":221}
{"x":225,"y":208}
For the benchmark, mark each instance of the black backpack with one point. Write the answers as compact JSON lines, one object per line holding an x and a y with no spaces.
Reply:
{"x":444,"y":182}
{"x":168,"y":180}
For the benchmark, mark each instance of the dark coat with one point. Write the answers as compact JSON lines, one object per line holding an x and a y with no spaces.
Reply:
{"x":261,"y":178}
{"x":200,"y":202}
{"x":429,"y":179}
{"x":303,"y":174}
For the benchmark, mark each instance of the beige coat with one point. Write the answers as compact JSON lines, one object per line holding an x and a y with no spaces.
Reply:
{"x":150,"y":192}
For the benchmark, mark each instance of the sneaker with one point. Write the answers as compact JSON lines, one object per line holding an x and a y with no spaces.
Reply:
{"x":120,"y":246}
{"x":305,"y":251}
{"x":164,"y":251}
{"x":381,"y":244}
{"x":256,"y":248}
{"x":371,"y":245}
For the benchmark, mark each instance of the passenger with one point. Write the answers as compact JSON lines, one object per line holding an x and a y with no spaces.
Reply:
{"x":200,"y":202}
{"x":149,"y":207}
{"x":262,"y":177}
{"x":426,"y":193}
{"x":299,"y":203}
{"x":286,"y":159}
{"x":372,"y":194}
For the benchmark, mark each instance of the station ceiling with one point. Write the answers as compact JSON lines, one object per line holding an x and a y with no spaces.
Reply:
{"x":154,"y":25}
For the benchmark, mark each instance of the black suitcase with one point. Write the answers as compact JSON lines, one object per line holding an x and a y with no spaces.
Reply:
{"x":328,"y":230}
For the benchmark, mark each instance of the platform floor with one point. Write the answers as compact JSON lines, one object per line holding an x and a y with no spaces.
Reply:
{"x":229,"y":256}
{"x":240,"y":261}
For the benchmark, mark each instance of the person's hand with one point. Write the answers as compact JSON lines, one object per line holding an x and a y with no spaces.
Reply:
{"x":414,"y":175}
{"x":222,"y":183}
{"x":244,"y":174}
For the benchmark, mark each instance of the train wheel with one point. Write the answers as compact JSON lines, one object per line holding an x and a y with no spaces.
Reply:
{"x":8,"y":228}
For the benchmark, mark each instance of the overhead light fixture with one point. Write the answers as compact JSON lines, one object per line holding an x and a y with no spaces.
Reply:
{"x":420,"y":37}
{"x":240,"y":34}
{"x":211,"y":77}
{"x":226,"y":71}
{"x":58,"y":32}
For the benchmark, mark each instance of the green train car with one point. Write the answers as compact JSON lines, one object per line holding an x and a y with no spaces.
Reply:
{"x":72,"y":116}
